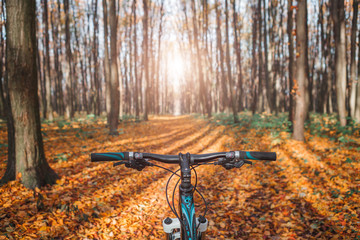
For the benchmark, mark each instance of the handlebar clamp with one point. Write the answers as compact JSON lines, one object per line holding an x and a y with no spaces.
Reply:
{"x":138,"y":156}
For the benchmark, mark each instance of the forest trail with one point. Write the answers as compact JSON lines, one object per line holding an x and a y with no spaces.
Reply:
{"x":309,"y":193}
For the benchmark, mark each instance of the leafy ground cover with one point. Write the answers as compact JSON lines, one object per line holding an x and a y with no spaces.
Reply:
{"x":311,"y":192}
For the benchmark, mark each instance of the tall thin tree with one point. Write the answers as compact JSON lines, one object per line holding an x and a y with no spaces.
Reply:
{"x":47,"y":77}
{"x":146,"y":57}
{"x":357,"y":109}
{"x":254,"y":59}
{"x":95,"y":51}
{"x":137,"y":83}
{"x":291,"y":61}
{"x":353,"y":79}
{"x":107,"y":72}
{"x":237,"y":47}
{"x":69,"y":110}
{"x":228,"y":63}
{"x":301,"y":77}
{"x":9,"y":174}
{"x":338,"y":16}
{"x":114,"y":91}
{"x":224,"y":92}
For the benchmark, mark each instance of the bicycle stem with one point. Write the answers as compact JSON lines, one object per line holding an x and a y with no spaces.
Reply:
{"x":185,"y":185}
{"x":186,"y":199}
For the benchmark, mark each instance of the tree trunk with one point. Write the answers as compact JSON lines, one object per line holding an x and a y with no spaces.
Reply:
{"x":146,"y":57}
{"x":41,"y":82}
{"x":75,"y":84}
{"x":268,"y":81}
{"x":329,"y":70}
{"x":2,"y":77}
{"x":95,"y":50}
{"x":157,"y":85}
{"x":114,"y":92}
{"x":207,"y":57}
{"x":338,"y":16}
{"x":57,"y":53}
{"x":69,"y":111}
{"x":353,"y":80}
{"x":131,"y":75}
{"x":238,"y":57}
{"x":202,"y":88}
{"x":254,"y":62}
{"x":261,"y":96}
{"x":126,"y":102}
{"x":301,"y":71}
{"x":83,"y":106}
{"x":22,"y":74}
{"x":107,"y":73}
{"x":224,"y":93}
{"x":151,"y":64}
{"x":323,"y":89}
{"x":90,"y":62}
{"x":137,"y":88}
{"x":228,"y":63}
{"x":357,"y":109}
{"x":47,"y":77}
{"x":9,"y":174}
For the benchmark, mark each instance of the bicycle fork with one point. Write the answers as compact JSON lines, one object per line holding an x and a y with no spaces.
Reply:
{"x":172,"y":227}
{"x":192,"y":228}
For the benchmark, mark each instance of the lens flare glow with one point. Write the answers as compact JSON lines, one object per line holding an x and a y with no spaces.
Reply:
{"x":176,"y":68}
{"x":175,"y":75}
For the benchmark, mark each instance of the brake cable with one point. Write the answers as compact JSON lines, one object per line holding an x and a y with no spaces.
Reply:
{"x":145,"y":163}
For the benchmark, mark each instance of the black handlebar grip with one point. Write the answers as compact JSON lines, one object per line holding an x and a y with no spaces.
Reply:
{"x":110,"y":156}
{"x":258,"y":155}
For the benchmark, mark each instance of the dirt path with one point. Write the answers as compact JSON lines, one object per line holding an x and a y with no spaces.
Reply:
{"x":97,"y":201}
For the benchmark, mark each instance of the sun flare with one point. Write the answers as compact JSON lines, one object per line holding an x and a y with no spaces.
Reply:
{"x":176,"y":67}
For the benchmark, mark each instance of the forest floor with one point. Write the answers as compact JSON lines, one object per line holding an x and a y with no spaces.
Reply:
{"x":311,"y":192}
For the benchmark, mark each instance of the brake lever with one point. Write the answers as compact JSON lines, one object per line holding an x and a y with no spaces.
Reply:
{"x":118,"y":163}
{"x":247,"y":162}
{"x":233,"y":164}
{"x":222,"y":161}
{"x":135,"y":164}
{"x":239,"y":164}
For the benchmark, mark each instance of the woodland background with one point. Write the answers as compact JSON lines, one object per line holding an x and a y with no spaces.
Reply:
{"x":107,"y":76}
{"x":194,"y":57}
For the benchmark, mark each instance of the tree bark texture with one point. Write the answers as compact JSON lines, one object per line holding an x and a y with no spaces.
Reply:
{"x":21,"y":68}
{"x":238,"y":57}
{"x":357,"y":109}
{"x":107,"y":73}
{"x":353,"y":79}
{"x":47,"y":76}
{"x":224,"y":92}
{"x":114,"y":92}
{"x":254,"y":60}
{"x":202,"y":88}
{"x":146,"y":57}
{"x":268,"y":81}
{"x":338,"y":16}
{"x":69,"y":110}
{"x":228,"y":63}
{"x":261,"y":96}
{"x":95,"y":51}
{"x":301,"y":76}
{"x":9,"y":174}
{"x":2,"y":77}
{"x":137,"y":85}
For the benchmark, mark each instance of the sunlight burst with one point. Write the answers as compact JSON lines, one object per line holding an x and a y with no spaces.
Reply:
{"x":176,"y":67}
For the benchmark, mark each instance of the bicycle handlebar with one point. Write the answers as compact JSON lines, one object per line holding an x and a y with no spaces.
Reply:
{"x":174,"y":159}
